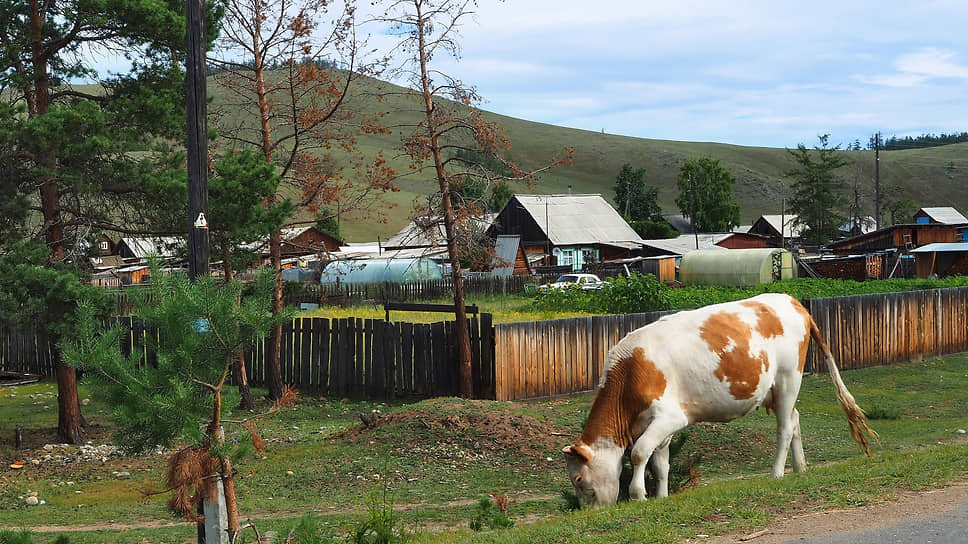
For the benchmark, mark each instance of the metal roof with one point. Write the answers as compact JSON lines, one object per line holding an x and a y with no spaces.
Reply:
{"x":687,"y":242}
{"x":505,"y":253}
{"x":952,"y":247}
{"x":163,"y":246}
{"x":793,"y":229}
{"x":945,"y":215}
{"x":429,"y":232}
{"x":577,"y":219}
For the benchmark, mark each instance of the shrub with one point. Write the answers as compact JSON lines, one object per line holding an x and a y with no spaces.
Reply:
{"x":634,"y":294}
{"x":381,"y":525}
{"x":490,"y":516}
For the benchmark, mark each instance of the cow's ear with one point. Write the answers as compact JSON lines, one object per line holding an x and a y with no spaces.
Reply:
{"x":575,"y":451}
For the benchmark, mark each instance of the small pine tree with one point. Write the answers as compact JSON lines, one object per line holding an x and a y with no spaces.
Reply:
{"x":197,"y":331}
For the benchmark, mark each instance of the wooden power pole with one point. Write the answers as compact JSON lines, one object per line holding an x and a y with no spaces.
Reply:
{"x":877,"y":181}
{"x":195,"y":96}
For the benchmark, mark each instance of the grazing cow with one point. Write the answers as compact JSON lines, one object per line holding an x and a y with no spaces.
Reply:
{"x":716,"y":363}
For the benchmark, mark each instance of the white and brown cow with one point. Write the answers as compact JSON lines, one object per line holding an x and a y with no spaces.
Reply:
{"x":716,"y":363}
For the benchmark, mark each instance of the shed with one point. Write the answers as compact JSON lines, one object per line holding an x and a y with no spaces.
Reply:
{"x":509,"y":257}
{"x":736,"y":267}
{"x":941,"y":260}
{"x":381,"y":270}
{"x":945,"y":215}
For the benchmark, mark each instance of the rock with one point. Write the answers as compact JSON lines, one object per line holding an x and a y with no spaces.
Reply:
{"x":122,"y":475}
{"x":32,"y":500}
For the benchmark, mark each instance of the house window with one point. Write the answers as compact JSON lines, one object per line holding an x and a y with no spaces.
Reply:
{"x":103,"y":246}
{"x":567,"y":257}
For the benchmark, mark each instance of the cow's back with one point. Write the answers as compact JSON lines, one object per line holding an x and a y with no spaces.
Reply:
{"x":720,"y":362}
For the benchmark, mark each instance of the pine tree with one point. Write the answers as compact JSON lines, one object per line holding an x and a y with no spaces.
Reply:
{"x":177,"y":395}
{"x":817,"y":192}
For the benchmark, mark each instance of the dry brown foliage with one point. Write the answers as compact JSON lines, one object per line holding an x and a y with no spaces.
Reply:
{"x":288,"y":398}
{"x":257,"y":442}
{"x":190,"y":470}
{"x":501,"y":502}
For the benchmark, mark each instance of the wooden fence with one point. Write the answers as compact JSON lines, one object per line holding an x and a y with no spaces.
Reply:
{"x":872,"y":330}
{"x":373,"y":358}
{"x":546,"y":358}
{"x":25,"y":351}
{"x":567,"y":355}
{"x":346,"y":357}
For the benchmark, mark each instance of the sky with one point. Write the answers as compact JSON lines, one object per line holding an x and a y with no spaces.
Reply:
{"x":757,"y":73}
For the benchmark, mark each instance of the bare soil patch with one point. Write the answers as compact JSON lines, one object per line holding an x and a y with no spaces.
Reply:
{"x":468,"y":421}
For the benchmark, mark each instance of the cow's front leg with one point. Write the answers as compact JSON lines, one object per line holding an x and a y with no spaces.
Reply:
{"x":659,"y":466}
{"x":657,"y":434}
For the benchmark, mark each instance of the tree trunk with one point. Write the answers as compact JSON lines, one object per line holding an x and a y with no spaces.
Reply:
{"x":70,"y":424}
{"x":231,"y":503}
{"x":464,"y":365}
{"x":238,"y":370}
{"x":274,"y":349}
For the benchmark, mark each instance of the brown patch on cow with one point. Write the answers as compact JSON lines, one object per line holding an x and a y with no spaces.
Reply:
{"x":768,"y":324}
{"x":729,"y":338}
{"x":805,"y":343}
{"x":631,"y":386}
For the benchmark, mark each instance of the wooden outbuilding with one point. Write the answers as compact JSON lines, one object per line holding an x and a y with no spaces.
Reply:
{"x":940,"y":260}
{"x":899,"y":237}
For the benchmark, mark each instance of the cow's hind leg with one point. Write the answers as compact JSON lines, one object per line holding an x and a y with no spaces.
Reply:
{"x":796,"y":445}
{"x":787,"y":424}
{"x":659,"y":467}
{"x":655,"y":435}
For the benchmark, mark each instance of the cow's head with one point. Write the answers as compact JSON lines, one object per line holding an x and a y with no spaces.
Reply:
{"x":594,"y":472}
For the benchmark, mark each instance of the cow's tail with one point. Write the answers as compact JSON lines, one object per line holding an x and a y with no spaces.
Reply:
{"x":855,"y":416}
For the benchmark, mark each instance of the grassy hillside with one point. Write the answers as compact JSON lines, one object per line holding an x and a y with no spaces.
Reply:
{"x":933,"y":177}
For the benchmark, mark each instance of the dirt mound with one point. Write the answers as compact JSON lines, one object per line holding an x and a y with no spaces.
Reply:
{"x":498,"y":429}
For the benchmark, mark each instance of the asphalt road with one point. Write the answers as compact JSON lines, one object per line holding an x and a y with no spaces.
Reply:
{"x":948,"y":528}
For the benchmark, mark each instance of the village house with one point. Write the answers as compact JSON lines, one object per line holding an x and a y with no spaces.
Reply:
{"x":944,"y":215}
{"x":567,"y":230}
{"x":779,"y":230}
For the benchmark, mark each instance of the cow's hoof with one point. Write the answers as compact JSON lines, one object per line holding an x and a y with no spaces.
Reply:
{"x":637,"y":494}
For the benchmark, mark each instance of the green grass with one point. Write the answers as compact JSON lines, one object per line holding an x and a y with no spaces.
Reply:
{"x":504,"y":309}
{"x":447,"y":454}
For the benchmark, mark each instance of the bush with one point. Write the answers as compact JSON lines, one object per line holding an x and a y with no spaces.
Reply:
{"x":490,"y":516}
{"x":640,"y":293}
{"x":635,"y":294}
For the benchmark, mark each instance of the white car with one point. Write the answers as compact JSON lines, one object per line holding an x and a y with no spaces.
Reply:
{"x":585,"y":281}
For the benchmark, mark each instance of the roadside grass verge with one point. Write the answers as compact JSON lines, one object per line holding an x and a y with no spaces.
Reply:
{"x":742,"y":505}
{"x":441,"y":456}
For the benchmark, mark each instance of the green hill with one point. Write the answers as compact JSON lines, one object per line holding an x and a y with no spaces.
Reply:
{"x":935,"y":176}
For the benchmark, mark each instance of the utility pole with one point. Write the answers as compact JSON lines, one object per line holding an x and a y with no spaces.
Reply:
{"x":214,"y":530}
{"x":877,"y":181}
{"x":195,"y":97}
{"x":692,"y":216}
{"x":782,"y":223}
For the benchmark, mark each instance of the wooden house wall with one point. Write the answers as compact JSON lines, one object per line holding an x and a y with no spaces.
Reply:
{"x":744,"y":241}
{"x":897,"y":237}
{"x":515,"y":219}
{"x":308,"y":242}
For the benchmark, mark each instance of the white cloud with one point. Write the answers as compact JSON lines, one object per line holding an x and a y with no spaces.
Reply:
{"x":932,"y":62}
